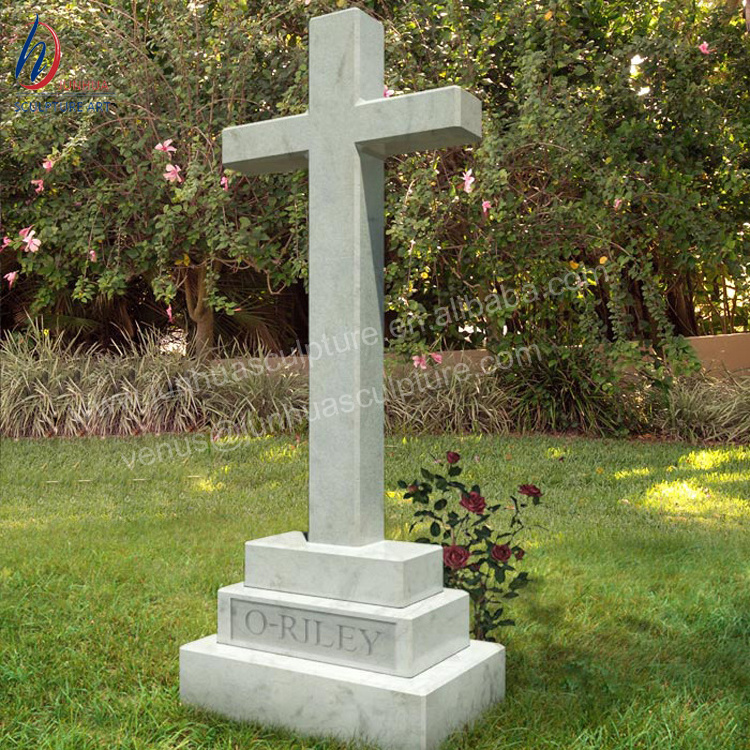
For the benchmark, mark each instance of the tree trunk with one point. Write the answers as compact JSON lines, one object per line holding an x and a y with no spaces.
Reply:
{"x":734,"y":5}
{"x":682,"y":309}
{"x":199,"y":311}
{"x":203,"y":341}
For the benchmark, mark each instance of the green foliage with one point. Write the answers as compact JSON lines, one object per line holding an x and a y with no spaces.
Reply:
{"x":602,"y":390}
{"x":54,"y":386}
{"x":455,"y":404}
{"x":588,"y":160}
{"x":705,"y":408}
{"x":476,"y":554}
{"x":608,"y":136}
{"x":107,"y":214}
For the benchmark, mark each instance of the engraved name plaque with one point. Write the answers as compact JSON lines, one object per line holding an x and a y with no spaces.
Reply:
{"x":323,"y":636}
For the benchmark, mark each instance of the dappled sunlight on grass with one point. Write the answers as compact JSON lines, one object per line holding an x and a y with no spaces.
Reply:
{"x":281,"y":453}
{"x":706,"y":459}
{"x":556,"y":452}
{"x":17,"y":524}
{"x":213,"y":483}
{"x":643,"y":471}
{"x":683,"y":498}
{"x":397,"y":496}
{"x":209,"y":485}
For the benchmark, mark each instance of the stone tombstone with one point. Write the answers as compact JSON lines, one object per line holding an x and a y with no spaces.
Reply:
{"x":344,"y":633}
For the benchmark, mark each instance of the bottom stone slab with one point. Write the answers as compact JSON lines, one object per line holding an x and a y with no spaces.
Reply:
{"x":314,"y":698}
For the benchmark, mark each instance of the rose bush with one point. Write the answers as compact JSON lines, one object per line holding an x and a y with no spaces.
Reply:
{"x":477,"y":552}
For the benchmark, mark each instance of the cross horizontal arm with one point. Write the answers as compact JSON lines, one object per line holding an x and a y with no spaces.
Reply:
{"x":416,"y":122}
{"x":269,"y":146}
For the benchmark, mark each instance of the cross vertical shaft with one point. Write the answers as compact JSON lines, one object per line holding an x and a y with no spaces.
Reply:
{"x":342,"y":140}
{"x":346,"y":282}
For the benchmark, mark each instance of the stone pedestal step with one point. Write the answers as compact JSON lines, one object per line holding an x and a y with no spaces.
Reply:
{"x":401,"y":641}
{"x":395,"y":574}
{"x":328,"y":700}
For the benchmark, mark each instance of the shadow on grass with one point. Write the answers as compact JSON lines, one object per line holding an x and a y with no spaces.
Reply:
{"x":660,"y":626}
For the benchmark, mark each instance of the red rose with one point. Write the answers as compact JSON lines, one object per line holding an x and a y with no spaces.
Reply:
{"x":501,"y":553}
{"x":412,"y":488}
{"x":520,"y":553}
{"x":452,"y":458}
{"x":455,"y":557}
{"x":473,"y":502}
{"x":530,"y":490}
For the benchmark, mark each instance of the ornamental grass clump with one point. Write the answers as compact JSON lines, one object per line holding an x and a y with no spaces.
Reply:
{"x":479,"y":555}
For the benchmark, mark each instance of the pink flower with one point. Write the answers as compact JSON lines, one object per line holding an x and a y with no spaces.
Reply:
{"x":224,"y":182}
{"x":437,"y":358}
{"x":617,"y":203}
{"x":6,"y":242}
{"x":48,"y":164}
{"x":11,"y":278}
{"x":420,"y":361}
{"x":32,"y":243}
{"x":387,"y":92}
{"x":165,"y":147}
{"x":169,"y":314}
{"x":703,"y":47}
{"x":486,"y":205}
{"x":469,"y":180}
{"x":173,"y":173}
{"x":39,"y":185}
{"x":92,"y":256}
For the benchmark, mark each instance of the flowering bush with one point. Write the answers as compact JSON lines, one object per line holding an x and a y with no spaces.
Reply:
{"x":478,"y":556}
{"x":133,"y":204}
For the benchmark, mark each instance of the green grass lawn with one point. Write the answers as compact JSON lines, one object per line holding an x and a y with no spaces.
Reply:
{"x":634,"y":634}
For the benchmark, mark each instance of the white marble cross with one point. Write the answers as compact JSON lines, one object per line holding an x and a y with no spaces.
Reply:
{"x":343,"y":139}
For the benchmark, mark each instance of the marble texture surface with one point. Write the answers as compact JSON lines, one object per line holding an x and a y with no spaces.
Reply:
{"x":399,"y":641}
{"x":394,"y":574}
{"x":342,"y":140}
{"x":327,"y":700}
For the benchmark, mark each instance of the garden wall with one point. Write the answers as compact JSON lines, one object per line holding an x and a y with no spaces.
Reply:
{"x":719,"y":354}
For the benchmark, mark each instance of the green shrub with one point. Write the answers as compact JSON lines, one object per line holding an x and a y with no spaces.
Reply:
{"x":704,"y":408}
{"x":54,"y":387}
{"x":583,"y":389}
{"x":472,"y":403}
{"x":51,"y":386}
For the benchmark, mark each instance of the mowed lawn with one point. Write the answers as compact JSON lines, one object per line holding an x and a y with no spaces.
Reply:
{"x":634,"y":634}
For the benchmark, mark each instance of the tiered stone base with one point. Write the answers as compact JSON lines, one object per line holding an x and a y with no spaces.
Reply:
{"x":314,"y":698}
{"x":351,"y":642}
